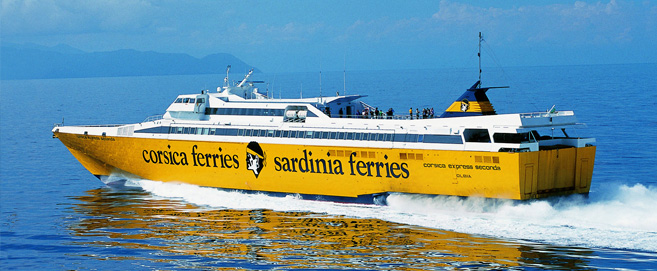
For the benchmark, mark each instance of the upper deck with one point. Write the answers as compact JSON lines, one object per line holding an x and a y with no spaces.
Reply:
{"x":241,"y":114}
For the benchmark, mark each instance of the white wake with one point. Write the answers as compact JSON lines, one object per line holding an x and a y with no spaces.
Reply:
{"x":622,"y":217}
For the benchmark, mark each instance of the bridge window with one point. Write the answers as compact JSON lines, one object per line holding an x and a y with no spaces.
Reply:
{"x":476,"y":135}
{"x":511,"y":138}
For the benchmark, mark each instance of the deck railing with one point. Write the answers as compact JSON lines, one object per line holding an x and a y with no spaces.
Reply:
{"x":384,"y":116}
{"x":546,"y":114}
{"x":154,"y":118}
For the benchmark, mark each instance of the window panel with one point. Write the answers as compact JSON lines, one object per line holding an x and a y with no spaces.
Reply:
{"x":476,"y":135}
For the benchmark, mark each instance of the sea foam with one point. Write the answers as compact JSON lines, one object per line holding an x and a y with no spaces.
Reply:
{"x":619,"y":217}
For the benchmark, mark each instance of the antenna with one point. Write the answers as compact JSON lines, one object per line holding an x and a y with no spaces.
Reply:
{"x":301,"y":93}
{"x":320,"y":83}
{"x":344,"y":75}
{"x":226,"y":79}
{"x":479,"y":55}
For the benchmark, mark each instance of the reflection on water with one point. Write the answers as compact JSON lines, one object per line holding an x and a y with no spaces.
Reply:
{"x":130,"y":224}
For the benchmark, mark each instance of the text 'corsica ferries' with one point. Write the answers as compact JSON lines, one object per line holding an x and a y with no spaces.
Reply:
{"x":237,"y":138}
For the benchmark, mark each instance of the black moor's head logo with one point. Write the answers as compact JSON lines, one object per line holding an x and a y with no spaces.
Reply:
{"x":255,"y":158}
{"x":465,"y":105}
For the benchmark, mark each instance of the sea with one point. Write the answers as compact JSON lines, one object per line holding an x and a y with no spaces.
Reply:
{"x":55,"y":215}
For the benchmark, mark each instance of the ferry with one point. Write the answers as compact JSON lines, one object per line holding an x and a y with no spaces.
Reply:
{"x":335,"y":149}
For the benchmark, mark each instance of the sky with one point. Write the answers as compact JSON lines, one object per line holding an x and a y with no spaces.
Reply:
{"x":309,"y":35}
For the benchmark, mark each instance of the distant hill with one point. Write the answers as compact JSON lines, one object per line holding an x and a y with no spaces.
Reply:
{"x":39,"y":62}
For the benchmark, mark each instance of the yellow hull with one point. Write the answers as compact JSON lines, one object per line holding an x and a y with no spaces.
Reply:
{"x":338,"y":171}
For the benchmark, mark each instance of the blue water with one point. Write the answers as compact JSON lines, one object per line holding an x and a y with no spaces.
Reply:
{"x":56,"y":215}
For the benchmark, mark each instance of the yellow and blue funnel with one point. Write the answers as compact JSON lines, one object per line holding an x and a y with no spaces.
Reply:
{"x":473,"y":102}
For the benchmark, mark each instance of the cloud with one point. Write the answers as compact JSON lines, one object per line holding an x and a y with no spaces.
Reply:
{"x":579,"y":22}
{"x":410,"y":30}
{"x":459,"y":14}
{"x":576,"y":23}
{"x":56,"y":17}
{"x":260,"y":34}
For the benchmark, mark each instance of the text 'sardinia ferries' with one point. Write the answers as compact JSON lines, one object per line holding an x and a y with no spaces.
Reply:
{"x":326,"y":148}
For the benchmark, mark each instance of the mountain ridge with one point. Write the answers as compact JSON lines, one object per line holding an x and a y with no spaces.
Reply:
{"x":31,"y":61}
